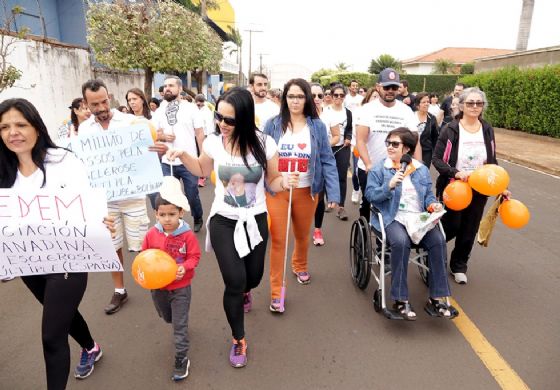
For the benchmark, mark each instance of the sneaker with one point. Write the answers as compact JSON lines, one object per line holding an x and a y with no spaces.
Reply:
{"x":460,"y":277}
{"x":247,"y":302}
{"x":275,"y":306}
{"x":318,"y":238}
{"x":7,"y":278}
{"x":238,"y":353}
{"x":356,"y":196}
{"x":303,"y":277}
{"x":328,"y":209}
{"x":87,"y":362}
{"x":197,"y":225}
{"x":341,"y":214}
{"x":201,"y":181}
{"x":181,"y":369}
{"x":117,"y":301}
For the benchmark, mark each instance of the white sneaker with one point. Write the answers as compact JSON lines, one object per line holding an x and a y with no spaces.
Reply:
{"x":356,"y":195}
{"x":460,"y":277}
{"x":7,"y":278}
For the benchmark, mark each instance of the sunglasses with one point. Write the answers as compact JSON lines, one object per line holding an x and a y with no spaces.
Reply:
{"x":294,"y":97}
{"x":227,"y":119}
{"x":474,"y":104}
{"x":390,"y":87}
{"x":338,"y":95}
{"x":318,"y":95}
{"x":327,"y":94}
{"x":393,"y":144}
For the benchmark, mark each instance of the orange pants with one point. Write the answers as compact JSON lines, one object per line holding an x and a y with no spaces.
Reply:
{"x":303,"y":210}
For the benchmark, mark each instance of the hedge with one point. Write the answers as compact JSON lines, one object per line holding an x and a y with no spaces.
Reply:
{"x":527,"y":99}
{"x":441,"y":84}
{"x":366,"y":80}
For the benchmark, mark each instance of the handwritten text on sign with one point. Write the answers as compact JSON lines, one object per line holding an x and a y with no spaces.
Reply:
{"x":119,"y":161}
{"x":44,"y":232}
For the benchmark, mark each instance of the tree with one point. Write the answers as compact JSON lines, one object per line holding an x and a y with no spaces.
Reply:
{"x":316,"y":77}
{"x":443,"y":66}
{"x":382,"y":62}
{"x":156,"y":36}
{"x":9,"y":74}
{"x":467,"y":68}
{"x":525,"y":24}
{"x":196,"y":6}
{"x":235,"y":38}
{"x":341,"y":67}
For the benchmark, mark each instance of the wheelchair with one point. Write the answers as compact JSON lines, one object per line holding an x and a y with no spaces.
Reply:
{"x":369,"y":255}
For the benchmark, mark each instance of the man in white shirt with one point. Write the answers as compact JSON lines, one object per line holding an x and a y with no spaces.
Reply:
{"x":264,"y":108}
{"x":131,"y":215}
{"x":208,"y":120}
{"x":374,"y":121}
{"x":353,"y":99}
{"x":182,"y":127}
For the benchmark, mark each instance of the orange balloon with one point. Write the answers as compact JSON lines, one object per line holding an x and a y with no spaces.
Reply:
{"x":269,"y":221}
{"x":153,"y":132}
{"x":213,"y":177}
{"x":457,"y":195}
{"x":514,"y":214}
{"x":154,"y":269}
{"x":490,"y":180}
{"x":356,"y":153}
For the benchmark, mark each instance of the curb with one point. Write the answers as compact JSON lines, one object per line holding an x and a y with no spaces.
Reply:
{"x":528,"y":164}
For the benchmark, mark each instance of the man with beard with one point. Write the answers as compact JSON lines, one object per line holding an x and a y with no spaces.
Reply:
{"x":131,"y":215}
{"x":374,"y":121}
{"x":182,"y":127}
{"x":264,"y":108}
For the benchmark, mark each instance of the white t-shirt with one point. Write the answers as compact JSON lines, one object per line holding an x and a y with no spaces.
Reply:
{"x":180,"y":118}
{"x":296,"y":146}
{"x":352,"y":102}
{"x":264,"y":111}
{"x":338,"y":118}
{"x":63,"y":169}
{"x":325,"y":119}
{"x":207,"y":117}
{"x":434,"y":110}
{"x":472,"y":150}
{"x":381,"y":120}
{"x":118,"y":121}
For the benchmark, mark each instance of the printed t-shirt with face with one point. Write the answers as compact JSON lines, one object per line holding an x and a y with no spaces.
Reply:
{"x":236,"y":185}
{"x":472,"y":150}
{"x":264,"y":111}
{"x":296,"y":147}
{"x":338,"y":118}
{"x":381,"y":120}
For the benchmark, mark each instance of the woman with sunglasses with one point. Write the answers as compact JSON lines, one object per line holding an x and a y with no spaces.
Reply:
{"x":301,"y":136}
{"x":240,"y":155}
{"x":464,"y":145}
{"x":400,"y":195}
{"x":327,"y":100}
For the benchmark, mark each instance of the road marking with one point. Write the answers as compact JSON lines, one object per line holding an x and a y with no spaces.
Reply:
{"x":502,"y":372}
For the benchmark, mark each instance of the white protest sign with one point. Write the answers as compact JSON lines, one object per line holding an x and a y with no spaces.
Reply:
{"x":45,"y":231}
{"x":119,"y":161}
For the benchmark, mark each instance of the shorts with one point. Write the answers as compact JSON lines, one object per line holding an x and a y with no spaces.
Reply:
{"x":131,"y":216}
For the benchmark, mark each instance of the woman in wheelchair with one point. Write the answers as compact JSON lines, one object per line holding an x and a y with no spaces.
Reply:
{"x":399,"y":192}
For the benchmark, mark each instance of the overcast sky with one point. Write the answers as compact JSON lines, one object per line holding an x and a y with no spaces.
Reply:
{"x":318,"y":34}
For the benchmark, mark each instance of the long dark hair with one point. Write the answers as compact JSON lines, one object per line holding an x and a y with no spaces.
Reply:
{"x":309,"y":110}
{"x":8,"y":159}
{"x":146,"y":112}
{"x":76,"y":105}
{"x":246,"y":134}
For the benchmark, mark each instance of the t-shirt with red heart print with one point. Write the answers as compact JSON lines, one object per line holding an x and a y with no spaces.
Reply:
{"x":296,"y":147}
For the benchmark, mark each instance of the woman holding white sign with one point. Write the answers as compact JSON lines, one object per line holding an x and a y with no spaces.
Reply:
{"x":29,"y":160}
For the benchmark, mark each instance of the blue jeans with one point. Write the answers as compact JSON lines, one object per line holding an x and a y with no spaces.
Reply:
{"x":190,"y":184}
{"x":434,"y":243}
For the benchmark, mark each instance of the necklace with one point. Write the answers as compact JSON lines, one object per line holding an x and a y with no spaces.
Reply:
{"x":471,"y":128}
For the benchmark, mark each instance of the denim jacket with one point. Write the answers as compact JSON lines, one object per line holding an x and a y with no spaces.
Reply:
{"x":387,"y":200}
{"x":322,"y":165}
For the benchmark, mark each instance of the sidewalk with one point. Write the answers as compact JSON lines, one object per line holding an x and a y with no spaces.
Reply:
{"x":534,"y":151}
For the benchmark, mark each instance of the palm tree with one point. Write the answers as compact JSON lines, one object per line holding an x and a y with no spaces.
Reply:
{"x":341,"y":67}
{"x":443,"y":66}
{"x":382,"y":62}
{"x":525,"y":24}
{"x":235,"y":38}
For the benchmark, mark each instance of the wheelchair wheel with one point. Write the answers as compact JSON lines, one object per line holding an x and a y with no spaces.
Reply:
{"x":424,"y":272}
{"x":360,"y":253}
{"x":377,"y":300}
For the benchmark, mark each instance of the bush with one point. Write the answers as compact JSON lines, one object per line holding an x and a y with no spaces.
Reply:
{"x":366,"y":80}
{"x":467,"y":68}
{"x":525,"y":100}
{"x":441,"y":84}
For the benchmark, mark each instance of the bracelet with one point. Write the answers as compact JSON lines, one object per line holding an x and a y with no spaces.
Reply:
{"x":282,"y":183}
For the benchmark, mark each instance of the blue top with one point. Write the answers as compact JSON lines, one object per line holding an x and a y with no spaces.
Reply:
{"x":387,"y":200}
{"x":322,"y":165}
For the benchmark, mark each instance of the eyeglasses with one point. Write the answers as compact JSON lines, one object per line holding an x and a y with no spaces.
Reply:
{"x":317,"y":95}
{"x":294,"y":97}
{"x":327,"y":94}
{"x":393,"y":144}
{"x":338,"y":95}
{"x":474,"y":104}
{"x":390,"y":87}
{"x":227,"y":119}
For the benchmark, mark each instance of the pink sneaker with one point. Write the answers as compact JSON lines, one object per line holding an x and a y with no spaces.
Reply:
{"x":201,"y":181}
{"x":247,"y":302}
{"x":303,"y":277}
{"x":318,"y":238}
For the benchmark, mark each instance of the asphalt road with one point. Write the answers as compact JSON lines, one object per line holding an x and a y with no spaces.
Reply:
{"x":330,"y":337}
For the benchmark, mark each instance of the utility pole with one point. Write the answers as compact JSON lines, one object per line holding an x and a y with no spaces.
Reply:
{"x":250,"y":47}
{"x":260,"y":61}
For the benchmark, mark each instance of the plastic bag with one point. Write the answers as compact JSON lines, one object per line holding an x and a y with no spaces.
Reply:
{"x":488,"y":222}
{"x":418,"y":224}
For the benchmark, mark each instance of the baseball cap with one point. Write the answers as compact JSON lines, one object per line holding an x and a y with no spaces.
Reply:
{"x":388,"y":76}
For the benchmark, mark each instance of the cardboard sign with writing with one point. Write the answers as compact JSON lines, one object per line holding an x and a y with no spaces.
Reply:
{"x":45,"y":232}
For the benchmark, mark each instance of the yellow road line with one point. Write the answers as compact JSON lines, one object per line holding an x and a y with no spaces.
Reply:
{"x":502,"y":372}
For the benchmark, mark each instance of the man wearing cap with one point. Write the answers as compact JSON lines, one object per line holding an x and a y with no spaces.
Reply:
{"x":374,"y":121}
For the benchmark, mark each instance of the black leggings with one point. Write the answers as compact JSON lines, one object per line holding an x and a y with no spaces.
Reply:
{"x":60,"y":297}
{"x":240,"y":275}
{"x":342,"y":158}
{"x":320,"y":210}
